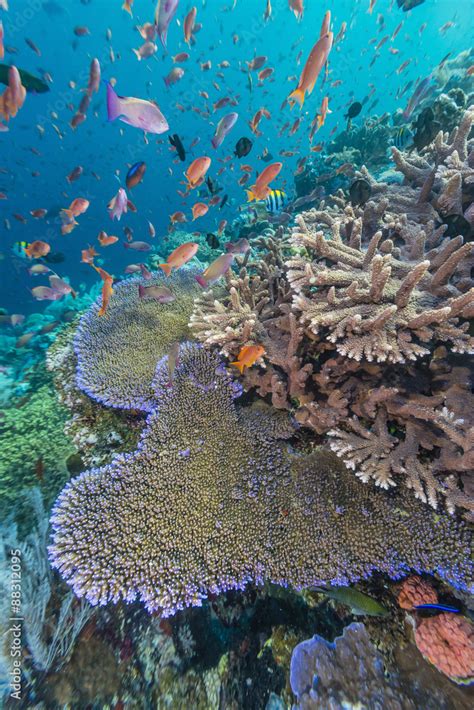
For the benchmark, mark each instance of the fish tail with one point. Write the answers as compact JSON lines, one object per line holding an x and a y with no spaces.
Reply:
{"x":28,"y":252}
{"x":101,"y":311}
{"x":166,"y":268}
{"x":201,"y":281}
{"x":296,"y":96}
{"x":113,"y":103}
{"x":239,"y":365}
{"x":250,"y":194}
{"x":127,"y":8}
{"x":141,"y":290}
{"x":137,"y":54}
{"x":126,"y":246}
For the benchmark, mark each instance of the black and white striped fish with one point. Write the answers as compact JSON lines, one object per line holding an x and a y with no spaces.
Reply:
{"x":275,"y":201}
{"x":402,"y":137}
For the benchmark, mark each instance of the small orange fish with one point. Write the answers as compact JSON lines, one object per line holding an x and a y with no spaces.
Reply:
{"x":180,"y":256}
{"x":37,"y":249}
{"x":107,"y":292}
{"x":88,"y":255}
{"x":248,"y":356}
{"x":105,"y":240}
{"x":196,"y":171}
{"x":178,"y":217}
{"x":317,"y":59}
{"x":199,"y":210}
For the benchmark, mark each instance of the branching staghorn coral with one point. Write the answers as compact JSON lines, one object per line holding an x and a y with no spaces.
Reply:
{"x":370,"y":304}
{"x":211,"y":500}
{"x":117,"y":353}
{"x":375,"y":289}
{"x":451,"y":158}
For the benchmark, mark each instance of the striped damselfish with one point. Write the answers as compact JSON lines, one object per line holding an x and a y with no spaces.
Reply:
{"x":276,"y":200}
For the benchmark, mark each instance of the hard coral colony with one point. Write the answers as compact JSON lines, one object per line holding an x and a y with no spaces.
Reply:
{"x":256,"y":430}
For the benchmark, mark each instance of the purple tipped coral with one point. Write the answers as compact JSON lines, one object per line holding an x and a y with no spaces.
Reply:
{"x":117,"y":354}
{"x":211,"y":500}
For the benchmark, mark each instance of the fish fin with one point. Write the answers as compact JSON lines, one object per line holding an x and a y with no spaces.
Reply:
{"x":296,"y":96}
{"x":137,"y":54}
{"x":239,"y":365}
{"x":114,"y":109}
{"x":166,"y":268}
{"x":201,"y":281}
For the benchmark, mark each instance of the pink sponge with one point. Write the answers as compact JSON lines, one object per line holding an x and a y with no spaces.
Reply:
{"x":447,"y":641}
{"x":413,"y":591}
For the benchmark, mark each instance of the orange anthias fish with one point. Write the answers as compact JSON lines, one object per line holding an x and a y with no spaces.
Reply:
{"x":14,"y":95}
{"x":189,"y":21}
{"x":77,"y":207}
{"x":196,"y":172}
{"x":297,"y":7}
{"x":248,"y":356}
{"x":315,"y":62}
{"x":105,"y":240}
{"x":260,"y":190}
{"x":178,"y":217}
{"x":107,"y":292}
{"x":88,"y":255}
{"x":199,"y":209}
{"x":180,"y":256}
{"x":323,"y":111}
{"x":37,"y":249}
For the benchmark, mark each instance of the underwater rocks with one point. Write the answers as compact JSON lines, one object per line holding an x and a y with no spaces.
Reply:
{"x":117,"y":354}
{"x":211,"y":500}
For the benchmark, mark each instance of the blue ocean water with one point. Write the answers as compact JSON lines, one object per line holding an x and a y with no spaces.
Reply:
{"x":109,"y":148}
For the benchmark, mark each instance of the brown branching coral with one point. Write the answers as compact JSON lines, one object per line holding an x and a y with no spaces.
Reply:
{"x":370,"y":304}
{"x":362,"y":298}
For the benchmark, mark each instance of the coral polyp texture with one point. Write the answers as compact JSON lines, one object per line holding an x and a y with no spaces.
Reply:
{"x":447,"y":641}
{"x":344,"y":674}
{"x":117,"y":353}
{"x":364,"y":314}
{"x":211,"y":500}
{"x":372,"y":305}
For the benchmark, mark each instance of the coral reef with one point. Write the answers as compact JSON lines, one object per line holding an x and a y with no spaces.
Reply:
{"x":366,"y":144}
{"x":346,"y":673}
{"x":211,"y":501}
{"x":97,"y":432}
{"x":413,"y":591}
{"x":34,"y":447}
{"x":117,"y":353}
{"x":353,"y":314}
{"x":447,"y":641}
{"x":49,"y":629}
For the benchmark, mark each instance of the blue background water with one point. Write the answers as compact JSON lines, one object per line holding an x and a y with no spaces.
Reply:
{"x":108,"y":148}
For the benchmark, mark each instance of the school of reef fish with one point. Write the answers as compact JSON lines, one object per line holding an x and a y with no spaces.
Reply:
{"x":255,"y":433}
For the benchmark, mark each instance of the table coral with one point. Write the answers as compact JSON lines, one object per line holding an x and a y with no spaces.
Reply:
{"x":447,"y":641}
{"x":117,"y":354}
{"x":211,"y":500}
{"x":413,"y":591}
